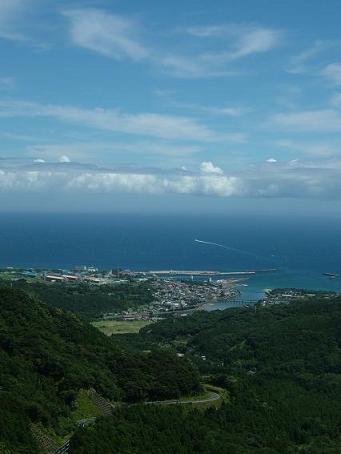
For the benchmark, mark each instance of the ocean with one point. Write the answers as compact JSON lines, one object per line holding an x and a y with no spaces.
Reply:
{"x":299,"y":248}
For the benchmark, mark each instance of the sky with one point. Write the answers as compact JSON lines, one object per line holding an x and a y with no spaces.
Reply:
{"x":203,"y":106}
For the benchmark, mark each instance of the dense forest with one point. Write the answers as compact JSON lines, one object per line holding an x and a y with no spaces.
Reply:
{"x":48,"y":355}
{"x":87,"y":300}
{"x":280,"y":365}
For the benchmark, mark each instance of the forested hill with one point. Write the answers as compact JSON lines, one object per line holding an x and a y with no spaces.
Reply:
{"x":86,"y":300}
{"x":48,"y":355}
{"x":280,"y":339}
{"x":281,"y":366}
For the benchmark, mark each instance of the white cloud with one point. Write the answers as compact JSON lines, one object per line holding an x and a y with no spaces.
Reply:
{"x":299,"y":64}
{"x":332,"y":72}
{"x":149,"y":124}
{"x":228,"y":111}
{"x":24,"y":181}
{"x":271,"y":160}
{"x":243,"y":39}
{"x":309,"y":121}
{"x":223,"y":110}
{"x":10,"y":10}
{"x":64,"y":159}
{"x":80,"y":151}
{"x":208,"y":167}
{"x":253,"y":40}
{"x":17,"y":18}
{"x":107,"y":34}
{"x":207,"y":31}
{"x":117,"y":182}
{"x":117,"y":37}
{"x":322,"y":149}
{"x":286,"y":179}
{"x":240,"y":41}
{"x":198,"y":66}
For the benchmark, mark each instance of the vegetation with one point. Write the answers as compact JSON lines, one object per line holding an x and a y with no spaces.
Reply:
{"x":48,"y":355}
{"x":15,"y":436}
{"x":84,"y":407}
{"x":280,"y":366}
{"x":110,"y":327}
{"x":87,"y":300}
{"x":276,"y":368}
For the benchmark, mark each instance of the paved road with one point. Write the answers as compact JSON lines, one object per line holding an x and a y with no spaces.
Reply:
{"x":212,"y":396}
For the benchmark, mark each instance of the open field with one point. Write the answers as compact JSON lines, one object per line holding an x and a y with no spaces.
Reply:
{"x":110,"y":327}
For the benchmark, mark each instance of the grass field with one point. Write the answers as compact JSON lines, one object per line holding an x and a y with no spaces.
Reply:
{"x":110,"y":327}
{"x":84,"y":407}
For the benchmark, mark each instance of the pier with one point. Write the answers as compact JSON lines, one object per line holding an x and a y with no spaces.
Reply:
{"x":200,"y":273}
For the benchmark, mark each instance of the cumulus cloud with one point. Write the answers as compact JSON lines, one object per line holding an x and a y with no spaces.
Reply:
{"x":12,"y":180}
{"x":271,"y":160}
{"x":64,"y":159}
{"x":208,"y":167}
{"x":118,"y":181}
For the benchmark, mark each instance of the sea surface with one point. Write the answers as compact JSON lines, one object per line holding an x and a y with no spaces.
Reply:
{"x":300,"y":249}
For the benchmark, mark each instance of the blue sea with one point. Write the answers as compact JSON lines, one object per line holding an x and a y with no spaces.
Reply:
{"x":300,"y":248}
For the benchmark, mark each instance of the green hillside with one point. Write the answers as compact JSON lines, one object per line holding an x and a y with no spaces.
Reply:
{"x":48,"y":355}
{"x":280,"y":365}
{"x":88,"y":301}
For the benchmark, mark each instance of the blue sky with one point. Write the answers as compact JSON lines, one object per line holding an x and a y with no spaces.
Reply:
{"x":149,"y":105}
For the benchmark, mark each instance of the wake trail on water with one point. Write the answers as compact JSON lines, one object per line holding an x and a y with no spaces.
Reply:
{"x":229,"y":248}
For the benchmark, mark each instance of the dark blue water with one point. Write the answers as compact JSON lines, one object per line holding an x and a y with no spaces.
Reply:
{"x":301,"y":248}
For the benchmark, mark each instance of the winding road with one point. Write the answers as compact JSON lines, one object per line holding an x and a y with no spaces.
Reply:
{"x":211,"y":397}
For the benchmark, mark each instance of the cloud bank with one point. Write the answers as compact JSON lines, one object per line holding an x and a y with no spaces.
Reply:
{"x":269,"y":179}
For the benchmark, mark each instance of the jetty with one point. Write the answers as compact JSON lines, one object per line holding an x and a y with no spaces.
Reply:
{"x":199,"y":273}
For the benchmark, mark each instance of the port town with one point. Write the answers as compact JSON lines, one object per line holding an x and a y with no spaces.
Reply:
{"x":174,"y":292}
{"x":177,"y":292}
